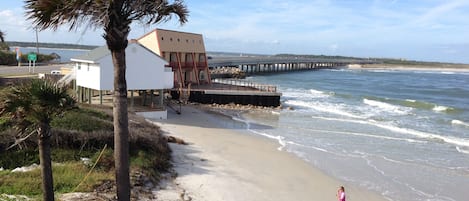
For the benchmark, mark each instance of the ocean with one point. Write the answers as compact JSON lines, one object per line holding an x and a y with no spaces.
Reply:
{"x":402,"y":134}
{"x":65,"y":54}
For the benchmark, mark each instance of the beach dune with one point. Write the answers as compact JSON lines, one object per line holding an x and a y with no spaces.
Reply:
{"x":231,"y":165}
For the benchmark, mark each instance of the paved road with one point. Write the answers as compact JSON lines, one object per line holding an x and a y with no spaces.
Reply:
{"x":24,"y":70}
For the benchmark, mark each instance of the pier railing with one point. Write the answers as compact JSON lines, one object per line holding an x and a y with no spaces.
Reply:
{"x":246,"y":84}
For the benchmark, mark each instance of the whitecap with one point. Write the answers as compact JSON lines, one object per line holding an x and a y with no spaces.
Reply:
{"x":386,"y":106}
{"x":439,"y":108}
{"x":460,"y":150}
{"x":334,"y":109}
{"x":458,"y":122}
{"x":429,"y":136}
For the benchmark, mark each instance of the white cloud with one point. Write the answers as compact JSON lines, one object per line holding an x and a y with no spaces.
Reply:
{"x":440,"y":11}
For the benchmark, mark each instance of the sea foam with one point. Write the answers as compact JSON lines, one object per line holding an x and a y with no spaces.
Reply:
{"x":279,"y":139}
{"x":334,"y":109}
{"x":439,"y":108}
{"x":386,"y":106}
{"x":458,"y":122}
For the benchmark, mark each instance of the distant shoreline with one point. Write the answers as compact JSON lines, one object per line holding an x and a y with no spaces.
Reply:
{"x":50,"y":45}
{"x":52,"y":48}
{"x":404,"y":67}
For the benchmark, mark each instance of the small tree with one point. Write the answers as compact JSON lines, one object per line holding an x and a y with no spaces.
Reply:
{"x":3,"y":45}
{"x":1,"y":37}
{"x":31,"y":107}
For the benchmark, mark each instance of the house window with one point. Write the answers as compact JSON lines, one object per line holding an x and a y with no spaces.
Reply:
{"x":79,"y":66}
{"x":178,"y":39}
{"x":162,"y":38}
{"x":171,"y":39}
{"x":88,"y":67}
{"x":187,"y":40}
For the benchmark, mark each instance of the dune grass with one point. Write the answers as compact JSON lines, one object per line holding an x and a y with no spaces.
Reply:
{"x":66,"y":178}
{"x":79,"y":133}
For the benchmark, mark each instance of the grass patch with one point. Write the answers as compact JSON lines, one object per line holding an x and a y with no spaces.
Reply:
{"x":83,"y":120}
{"x":26,"y":157}
{"x":66,"y":177}
{"x":80,"y":133}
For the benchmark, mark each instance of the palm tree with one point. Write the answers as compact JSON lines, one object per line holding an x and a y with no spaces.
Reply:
{"x":115,"y":16}
{"x":31,"y":107}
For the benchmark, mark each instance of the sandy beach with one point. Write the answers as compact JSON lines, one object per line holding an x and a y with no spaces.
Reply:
{"x":441,"y":68}
{"x":227,"y":164}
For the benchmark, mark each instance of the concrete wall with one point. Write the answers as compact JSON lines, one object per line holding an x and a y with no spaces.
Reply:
{"x":150,"y":41}
{"x":174,"y":41}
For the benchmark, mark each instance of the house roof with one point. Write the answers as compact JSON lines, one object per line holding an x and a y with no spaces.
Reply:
{"x":94,"y":55}
{"x":158,"y":29}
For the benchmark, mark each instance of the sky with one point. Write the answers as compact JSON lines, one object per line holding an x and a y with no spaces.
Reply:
{"x":424,"y":30}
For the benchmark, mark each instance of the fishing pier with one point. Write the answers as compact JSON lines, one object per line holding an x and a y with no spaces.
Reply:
{"x":239,"y":91}
{"x":267,"y":64}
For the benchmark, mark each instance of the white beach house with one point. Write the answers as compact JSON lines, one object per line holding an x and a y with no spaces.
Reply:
{"x":146,"y":71}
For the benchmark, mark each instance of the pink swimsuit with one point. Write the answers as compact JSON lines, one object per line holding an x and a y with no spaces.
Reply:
{"x":342,"y":196}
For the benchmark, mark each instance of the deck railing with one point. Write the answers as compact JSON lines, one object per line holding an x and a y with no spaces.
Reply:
{"x":246,"y":84}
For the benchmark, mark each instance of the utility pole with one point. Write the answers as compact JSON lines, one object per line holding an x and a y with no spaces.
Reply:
{"x":37,"y":42}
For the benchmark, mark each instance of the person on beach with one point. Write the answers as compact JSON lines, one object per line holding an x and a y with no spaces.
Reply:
{"x":341,"y":194}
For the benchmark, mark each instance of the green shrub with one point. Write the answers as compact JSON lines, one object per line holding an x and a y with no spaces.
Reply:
{"x":82,"y":120}
{"x":18,"y":158}
{"x":106,"y":162}
{"x":12,"y":159}
{"x":67,"y":176}
{"x":9,"y":58}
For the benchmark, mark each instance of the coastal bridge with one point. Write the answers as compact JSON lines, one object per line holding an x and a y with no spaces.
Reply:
{"x":270,"y":64}
{"x":224,"y":91}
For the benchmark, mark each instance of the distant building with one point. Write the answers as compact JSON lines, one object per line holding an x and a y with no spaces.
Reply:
{"x":185,"y":53}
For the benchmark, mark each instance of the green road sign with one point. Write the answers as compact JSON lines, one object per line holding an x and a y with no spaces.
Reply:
{"x":32,"y":57}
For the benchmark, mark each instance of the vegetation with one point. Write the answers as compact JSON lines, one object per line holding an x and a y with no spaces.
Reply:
{"x":3,"y":45}
{"x":31,"y":107}
{"x":115,"y":17}
{"x":9,"y":58}
{"x":2,"y":39}
{"x":72,"y":141}
{"x":52,"y":45}
{"x":319,"y":57}
{"x":371,"y":60}
{"x":65,"y":180}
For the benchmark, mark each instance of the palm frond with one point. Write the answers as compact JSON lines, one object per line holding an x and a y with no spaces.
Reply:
{"x":99,"y":13}
{"x":36,"y":102}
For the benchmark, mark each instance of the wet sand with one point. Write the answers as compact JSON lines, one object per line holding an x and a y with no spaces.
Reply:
{"x":228,"y":164}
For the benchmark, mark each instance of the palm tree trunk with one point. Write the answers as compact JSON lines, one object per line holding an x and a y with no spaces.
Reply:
{"x":121,"y":129}
{"x":46,"y":162}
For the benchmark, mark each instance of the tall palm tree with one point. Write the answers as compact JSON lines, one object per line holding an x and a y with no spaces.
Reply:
{"x":32,"y":106}
{"x":115,"y":16}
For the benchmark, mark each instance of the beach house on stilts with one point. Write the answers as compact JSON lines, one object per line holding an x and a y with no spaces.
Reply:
{"x":185,"y":53}
{"x":147,"y":77}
